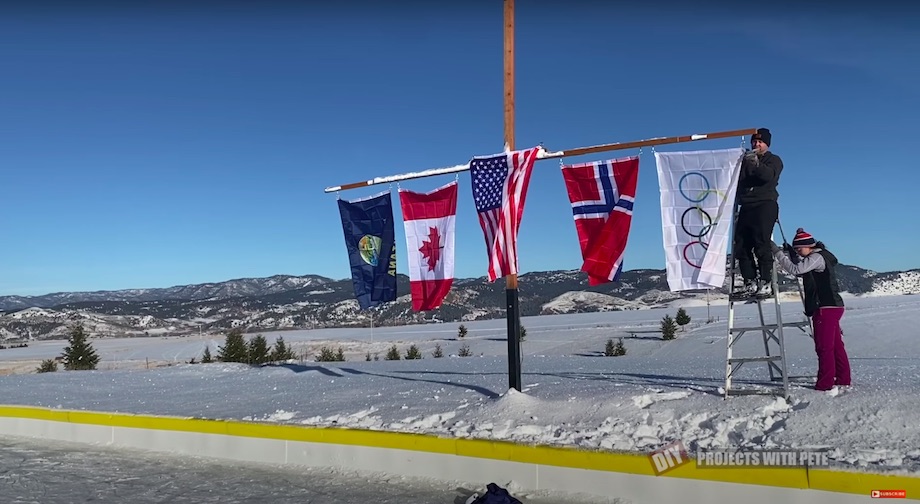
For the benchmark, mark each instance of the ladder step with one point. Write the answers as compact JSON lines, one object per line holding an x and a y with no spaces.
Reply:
{"x":768,"y":326}
{"x":763,"y":358}
{"x":742,"y":392}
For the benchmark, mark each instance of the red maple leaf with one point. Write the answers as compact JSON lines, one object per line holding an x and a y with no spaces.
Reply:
{"x":431,"y":249}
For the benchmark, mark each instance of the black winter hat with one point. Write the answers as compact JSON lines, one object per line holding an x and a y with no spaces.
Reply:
{"x":764,"y":135}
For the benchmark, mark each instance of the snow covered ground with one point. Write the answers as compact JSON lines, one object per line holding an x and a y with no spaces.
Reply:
{"x":659,"y":392}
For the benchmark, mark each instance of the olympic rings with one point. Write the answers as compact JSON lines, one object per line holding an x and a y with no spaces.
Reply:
{"x":708,"y":226}
{"x":702,"y":243}
{"x":680,"y":186}
{"x":707,"y":192}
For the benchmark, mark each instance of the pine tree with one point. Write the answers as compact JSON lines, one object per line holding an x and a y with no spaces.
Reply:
{"x":523,"y":334}
{"x":79,"y":353}
{"x":615,"y":350}
{"x":413,"y":353}
{"x":340,"y":355}
{"x":281,"y":352}
{"x":461,"y":331}
{"x":682,"y":318}
{"x":327,"y":355}
{"x":668,"y":328}
{"x":47,"y":366}
{"x":464,"y":351}
{"x":438,"y":353}
{"x":392,"y":353}
{"x":258,"y":350}
{"x":235,"y":348}
{"x":206,"y":356}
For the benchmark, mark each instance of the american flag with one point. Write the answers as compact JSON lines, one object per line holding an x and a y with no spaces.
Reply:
{"x":499,"y":190}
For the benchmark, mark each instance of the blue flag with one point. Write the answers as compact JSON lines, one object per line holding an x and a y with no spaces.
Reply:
{"x":371,"y":242}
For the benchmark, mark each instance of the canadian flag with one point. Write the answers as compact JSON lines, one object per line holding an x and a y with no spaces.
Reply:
{"x":429,"y":219}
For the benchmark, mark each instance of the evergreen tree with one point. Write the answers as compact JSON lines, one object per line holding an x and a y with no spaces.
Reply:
{"x":235,"y":348}
{"x":325,"y":355}
{"x":615,"y":350}
{"x":438,"y":353}
{"x":281,"y":352}
{"x":340,"y":355}
{"x":523,"y":333}
{"x":461,"y":331}
{"x":413,"y":353}
{"x":392,"y":353}
{"x":682,"y":318}
{"x":668,"y":328}
{"x":258,"y":350}
{"x":206,"y":356}
{"x":48,"y":366}
{"x":79,"y":353}
{"x":464,"y":351}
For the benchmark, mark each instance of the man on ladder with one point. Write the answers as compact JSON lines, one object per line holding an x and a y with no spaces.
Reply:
{"x":755,"y":213}
{"x":759,"y":210}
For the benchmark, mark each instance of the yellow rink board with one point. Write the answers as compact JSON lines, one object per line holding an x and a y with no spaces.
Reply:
{"x":853,"y":482}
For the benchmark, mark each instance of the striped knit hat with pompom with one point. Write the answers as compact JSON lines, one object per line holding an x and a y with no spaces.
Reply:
{"x":803,"y":239}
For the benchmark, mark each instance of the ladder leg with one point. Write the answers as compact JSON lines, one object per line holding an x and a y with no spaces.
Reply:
{"x":730,"y":340}
{"x":766,"y":340}
{"x":779,"y":333}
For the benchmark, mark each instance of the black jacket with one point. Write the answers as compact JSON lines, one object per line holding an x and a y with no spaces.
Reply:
{"x":821,"y":288}
{"x":758,"y":181}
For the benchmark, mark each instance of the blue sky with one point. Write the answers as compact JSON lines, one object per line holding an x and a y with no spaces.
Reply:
{"x":187,"y":143}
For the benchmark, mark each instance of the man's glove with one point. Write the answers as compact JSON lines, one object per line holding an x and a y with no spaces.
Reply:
{"x":751,"y":157}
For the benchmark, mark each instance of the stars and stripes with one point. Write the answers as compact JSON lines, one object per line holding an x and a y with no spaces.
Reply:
{"x":499,"y":185}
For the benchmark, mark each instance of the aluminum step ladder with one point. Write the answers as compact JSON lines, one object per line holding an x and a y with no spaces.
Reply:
{"x":771,"y":332}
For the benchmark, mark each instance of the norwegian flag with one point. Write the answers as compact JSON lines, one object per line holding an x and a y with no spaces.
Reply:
{"x":499,"y":190}
{"x":602,"y":194}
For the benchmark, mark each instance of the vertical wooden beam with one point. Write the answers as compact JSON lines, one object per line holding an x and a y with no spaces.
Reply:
{"x":511,"y":283}
{"x":509,"y":74}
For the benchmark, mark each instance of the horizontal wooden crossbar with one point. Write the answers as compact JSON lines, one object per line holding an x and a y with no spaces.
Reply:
{"x":544,"y":154}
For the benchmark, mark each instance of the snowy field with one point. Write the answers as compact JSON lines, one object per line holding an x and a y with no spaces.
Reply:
{"x":658,"y":392}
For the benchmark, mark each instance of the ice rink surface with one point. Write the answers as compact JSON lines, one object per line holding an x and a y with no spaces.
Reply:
{"x":52,"y":472}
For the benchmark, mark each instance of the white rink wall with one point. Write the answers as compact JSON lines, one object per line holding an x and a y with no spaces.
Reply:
{"x":355,"y":450}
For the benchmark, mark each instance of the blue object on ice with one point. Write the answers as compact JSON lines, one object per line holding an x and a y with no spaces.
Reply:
{"x":496,"y":495}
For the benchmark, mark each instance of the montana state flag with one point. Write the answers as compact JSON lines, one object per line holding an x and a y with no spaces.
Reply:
{"x":371,"y":242}
{"x":602,"y":194}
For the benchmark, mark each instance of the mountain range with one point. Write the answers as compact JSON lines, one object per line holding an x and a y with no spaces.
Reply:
{"x":311,"y":301}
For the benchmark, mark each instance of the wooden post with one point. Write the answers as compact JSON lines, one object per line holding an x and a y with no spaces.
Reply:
{"x":511,"y":284}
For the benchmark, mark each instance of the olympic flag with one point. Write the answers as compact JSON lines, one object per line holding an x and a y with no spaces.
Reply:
{"x":697,"y":200}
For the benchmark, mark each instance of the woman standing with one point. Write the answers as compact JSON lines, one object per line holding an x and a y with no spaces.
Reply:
{"x":823,"y":304}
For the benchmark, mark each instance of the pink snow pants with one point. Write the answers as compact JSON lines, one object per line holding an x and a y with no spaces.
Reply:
{"x":833,"y":363}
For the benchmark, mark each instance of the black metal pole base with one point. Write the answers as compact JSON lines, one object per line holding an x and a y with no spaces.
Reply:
{"x":514,"y":339}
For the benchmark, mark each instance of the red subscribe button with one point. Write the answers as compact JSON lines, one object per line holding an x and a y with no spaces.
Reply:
{"x":889,"y":494}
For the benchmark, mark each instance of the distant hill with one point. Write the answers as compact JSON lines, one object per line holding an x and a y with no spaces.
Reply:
{"x":312,"y":301}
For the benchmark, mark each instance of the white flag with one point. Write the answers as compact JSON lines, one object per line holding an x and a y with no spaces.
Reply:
{"x":697,"y":199}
